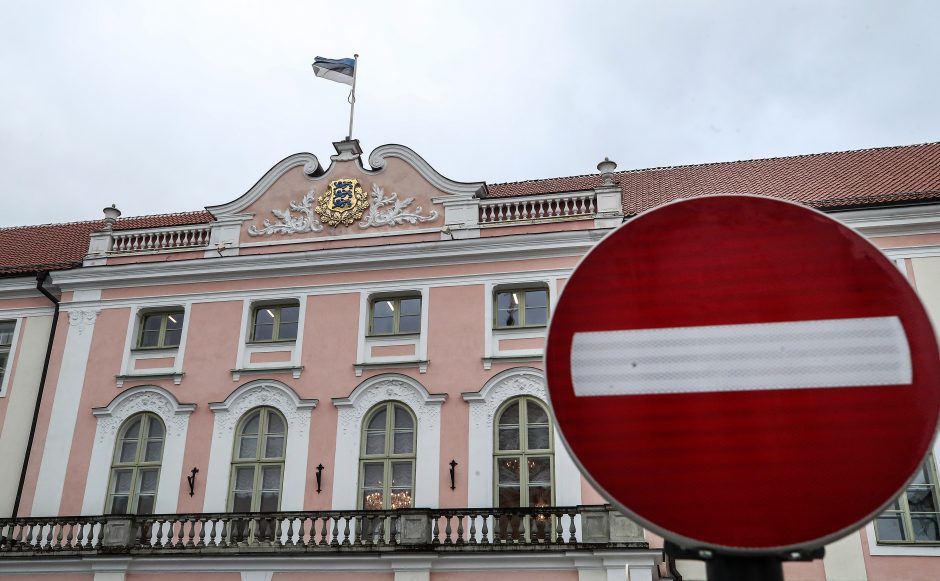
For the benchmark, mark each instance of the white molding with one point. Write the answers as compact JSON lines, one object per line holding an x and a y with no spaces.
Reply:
{"x":309,"y":162}
{"x":365,"y":343}
{"x":393,"y":150}
{"x":483,"y":406}
{"x":19,"y":288}
{"x":892,"y":220}
{"x":487,"y":562}
{"x":65,"y":405}
{"x":297,"y":412}
{"x":308,"y":240}
{"x":175,"y":416}
{"x":245,"y":349}
{"x":11,"y":355}
{"x":558,"y":244}
{"x":351,"y":411}
{"x":130,"y":356}
{"x":912,"y":252}
{"x":25,"y":312}
{"x":491,"y":350}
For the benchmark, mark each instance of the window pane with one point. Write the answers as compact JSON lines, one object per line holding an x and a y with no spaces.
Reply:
{"x":241,"y":502}
{"x":921,"y":499}
{"x":275,"y":424}
{"x":287,"y":331}
{"x":377,"y":421}
{"x":3,"y":362}
{"x":290,"y":314}
{"x":890,"y":527}
{"x":538,"y":438}
{"x":372,"y":499}
{"x":128,"y":451}
{"x":154,"y":451}
{"x":509,"y":438}
{"x":508,"y":471}
{"x":122,"y":481}
{"x":119,"y":505}
{"x":145,"y":504}
{"x":409,"y":324}
{"x":373,"y":474}
{"x":153,"y":322}
{"x":172,"y":337}
{"x":263,"y":333}
{"x":147,"y":481}
{"x":540,"y":496}
{"x":383,"y":308}
{"x":6,"y":333}
{"x":251,"y":424}
{"x":133,"y":429}
{"x":401,"y":474}
{"x":510,"y":415}
{"x":403,"y":419}
{"x":536,"y":299}
{"x":411,"y":306}
{"x":271,"y":478}
{"x":400,"y":498}
{"x":274,"y":447}
{"x":381,"y":325}
{"x":503,"y":301}
{"x":923,"y":475}
{"x":540,"y":470}
{"x":926,"y":528}
{"x":507,"y":318}
{"x":536,"y":307}
{"x":248,"y":447}
{"x":150,"y":339}
{"x":404,"y":442}
{"x":535,"y":413}
{"x":154,"y":428}
{"x":244,"y":478}
{"x":509,"y":496}
{"x":269,"y":500}
{"x":375,"y":442}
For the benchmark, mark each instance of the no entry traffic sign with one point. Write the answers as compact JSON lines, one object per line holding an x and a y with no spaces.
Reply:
{"x":742,"y":373}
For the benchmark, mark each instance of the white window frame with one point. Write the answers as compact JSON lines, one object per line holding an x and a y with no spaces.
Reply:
{"x":11,"y":355}
{"x":366,"y":343}
{"x":493,"y":335}
{"x":132,"y":354}
{"x":247,"y":347}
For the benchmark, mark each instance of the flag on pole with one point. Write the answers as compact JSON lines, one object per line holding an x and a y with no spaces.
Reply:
{"x":339,"y":70}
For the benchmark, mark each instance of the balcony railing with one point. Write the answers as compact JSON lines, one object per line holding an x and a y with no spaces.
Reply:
{"x":156,"y":240}
{"x":495,"y":529}
{"x":551,"y":207}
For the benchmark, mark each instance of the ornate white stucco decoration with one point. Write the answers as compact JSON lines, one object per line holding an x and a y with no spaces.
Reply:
{"x":144,"y":398}
{"x":83,"y":319}
{"x":288,"y":223}
{"x":380,"y":215}
{"x":351,"y":411}
{"x":262,"y":393}
{"x":175,"y":416}
{"x":505,"y":385}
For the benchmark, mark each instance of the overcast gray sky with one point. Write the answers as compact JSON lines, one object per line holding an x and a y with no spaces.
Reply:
{"x":172,"y":106}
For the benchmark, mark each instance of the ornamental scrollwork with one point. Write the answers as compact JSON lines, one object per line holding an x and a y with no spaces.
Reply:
{"x":288,"y":222}
{"x":390,"y":211}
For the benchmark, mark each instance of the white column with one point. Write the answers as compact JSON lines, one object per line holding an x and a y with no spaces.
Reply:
{"x":68,"y":393}
{"x":844,"y":560}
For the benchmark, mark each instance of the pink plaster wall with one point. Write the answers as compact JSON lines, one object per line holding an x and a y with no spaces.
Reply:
{"x":392,"y":350}
{"x":589,"y":495}
{"x":329,"y":576}
{"x":23,"y":303}
{"x":48,"y":576}
{"x":528,"y":343}
{"x":201,"y":575}
{"x":892,"y":568}
{"x":155,"y":363}
{"x":455,"y":349}
{"x":904,"y":241}
{"x":569,"y":225}
{"x":270,"y":356}
{"x":331,"y":328}
{"x":805,"y":571}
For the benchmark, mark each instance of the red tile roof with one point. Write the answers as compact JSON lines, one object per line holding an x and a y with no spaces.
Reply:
{"x":31,"y":249}
{"x":824,"y":180}
{"x":867,"y":177}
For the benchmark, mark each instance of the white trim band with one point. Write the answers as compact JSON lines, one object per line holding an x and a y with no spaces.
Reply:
{"x":792,"y":355}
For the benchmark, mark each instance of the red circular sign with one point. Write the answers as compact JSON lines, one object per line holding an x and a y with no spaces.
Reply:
{"x":743,"y":373}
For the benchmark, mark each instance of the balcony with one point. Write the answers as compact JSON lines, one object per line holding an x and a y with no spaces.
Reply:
{"x":356,"y":531}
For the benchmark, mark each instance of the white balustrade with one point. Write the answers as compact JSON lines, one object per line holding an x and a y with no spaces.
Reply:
{"x":537,"y":208}
{"x":156,"y":240}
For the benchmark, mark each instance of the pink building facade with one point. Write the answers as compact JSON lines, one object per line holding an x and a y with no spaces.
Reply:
{"x":339,"y":375}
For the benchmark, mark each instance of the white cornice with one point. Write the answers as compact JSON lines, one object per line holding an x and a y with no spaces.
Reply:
{"x":18,"y":288}
{"x":334,"y":260}
{"x":309,"y":161}
{"x":892,"y":221}
{"x":377,"y":161}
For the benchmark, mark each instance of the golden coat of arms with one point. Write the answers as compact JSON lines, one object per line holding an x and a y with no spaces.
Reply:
{"x":344,"y":202}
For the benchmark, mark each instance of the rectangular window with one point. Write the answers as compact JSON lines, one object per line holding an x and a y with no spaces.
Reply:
{"x":160,"y":330}
{"x":274,"y":323}
{"x":6,"y":342}
{"x":521,"y":307}
{"x":914,"y":517}
{"x":395,"y":315}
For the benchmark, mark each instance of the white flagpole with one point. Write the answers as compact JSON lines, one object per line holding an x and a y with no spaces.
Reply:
{"x":352,"y":97}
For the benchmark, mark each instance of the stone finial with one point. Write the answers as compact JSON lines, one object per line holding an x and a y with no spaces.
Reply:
{"x":111,"y":214}
{"x":607,"y":168}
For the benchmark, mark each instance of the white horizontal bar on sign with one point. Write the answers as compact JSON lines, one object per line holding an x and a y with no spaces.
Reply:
{"x":793,"y":355}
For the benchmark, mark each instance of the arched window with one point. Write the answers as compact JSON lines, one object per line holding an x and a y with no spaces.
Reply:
{"x":258,"y":461}
{"x":387,"y":457}
{"x":523,"y":456}
{"x":135,"y":468}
